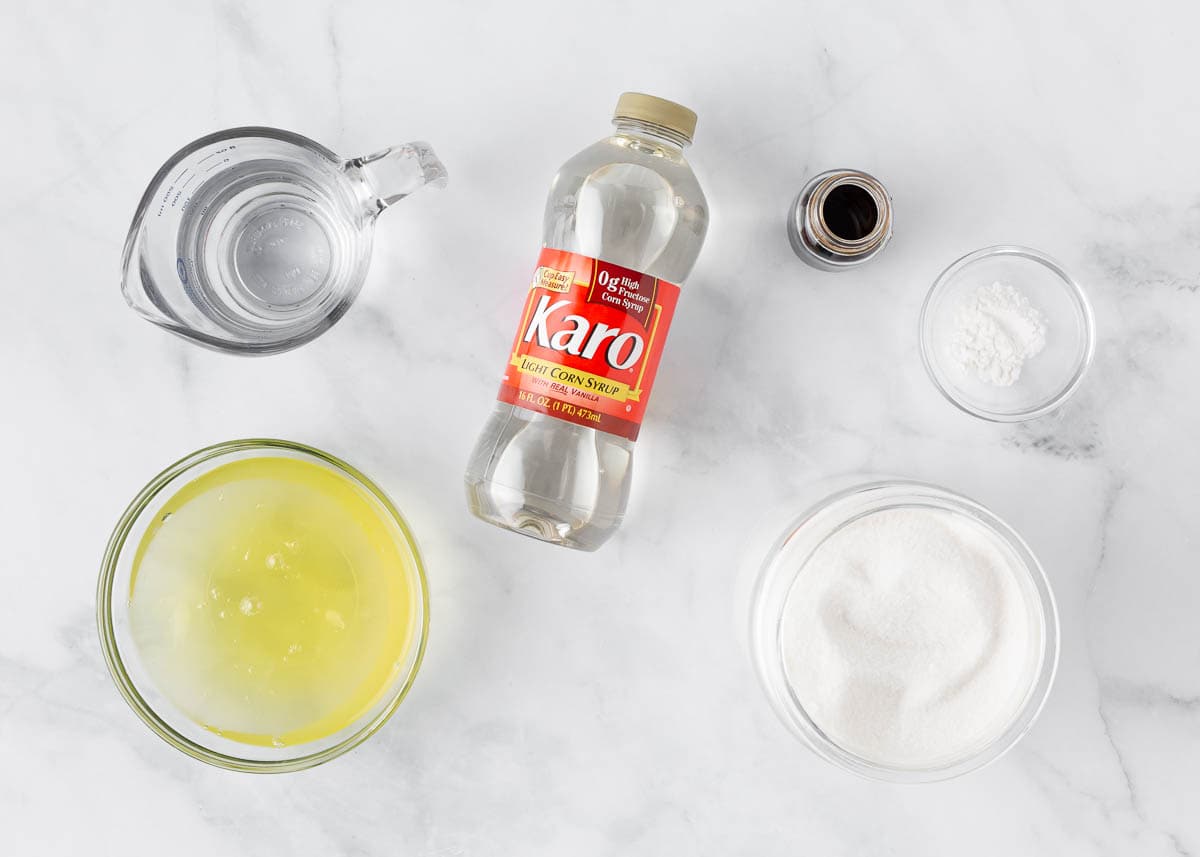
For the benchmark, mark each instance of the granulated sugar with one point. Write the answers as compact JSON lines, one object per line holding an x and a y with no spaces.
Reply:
{"x":910,"y":637}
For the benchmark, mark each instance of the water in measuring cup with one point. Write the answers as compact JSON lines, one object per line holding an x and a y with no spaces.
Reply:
{"x":266,"y":245}
{"x":630,"y":199}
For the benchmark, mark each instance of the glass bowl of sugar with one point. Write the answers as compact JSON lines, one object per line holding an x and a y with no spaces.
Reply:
{"x":904,"y":632}
{"x":1006,"y":334}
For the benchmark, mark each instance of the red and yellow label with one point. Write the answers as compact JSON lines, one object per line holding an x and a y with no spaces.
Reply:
{"x":589,"y":343}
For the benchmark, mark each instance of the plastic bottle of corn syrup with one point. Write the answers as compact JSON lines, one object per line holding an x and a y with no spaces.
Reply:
{"x":624,"y":223}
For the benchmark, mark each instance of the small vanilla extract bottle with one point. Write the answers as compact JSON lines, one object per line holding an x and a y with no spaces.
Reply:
{"x":840,"y":219}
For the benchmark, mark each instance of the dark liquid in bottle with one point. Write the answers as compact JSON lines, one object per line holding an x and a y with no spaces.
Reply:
{"x":849,"y":212}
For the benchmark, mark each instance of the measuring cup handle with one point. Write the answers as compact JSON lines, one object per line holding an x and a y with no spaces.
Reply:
{"x":395,"y":172}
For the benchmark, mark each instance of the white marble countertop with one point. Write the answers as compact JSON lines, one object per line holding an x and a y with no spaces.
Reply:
{"x":600,"y":704}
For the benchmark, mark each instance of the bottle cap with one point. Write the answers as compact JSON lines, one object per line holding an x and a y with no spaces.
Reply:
{"x":657,"y":111}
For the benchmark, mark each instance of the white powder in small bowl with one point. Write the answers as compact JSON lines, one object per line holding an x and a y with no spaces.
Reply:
{"x":911,"y":637}
{"x":995,"y":331}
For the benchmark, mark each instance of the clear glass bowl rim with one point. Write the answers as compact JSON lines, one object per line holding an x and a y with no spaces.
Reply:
{"x":764,"y":631}
{"x":1079,"y":298}
{"x":108,"y":640}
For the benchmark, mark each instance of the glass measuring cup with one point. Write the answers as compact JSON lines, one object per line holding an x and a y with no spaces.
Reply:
{"x":256,"y":240}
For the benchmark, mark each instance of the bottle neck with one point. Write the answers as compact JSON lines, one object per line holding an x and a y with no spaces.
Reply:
{"x":657,"y":134}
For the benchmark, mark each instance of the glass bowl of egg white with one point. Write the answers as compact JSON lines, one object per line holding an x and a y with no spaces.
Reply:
{"x":262,"y":606}
{"x":904,"y":632}
{"x":1006,"y":334}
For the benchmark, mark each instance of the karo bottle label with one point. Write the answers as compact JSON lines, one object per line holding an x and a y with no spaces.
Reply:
{"x":589,"y":343}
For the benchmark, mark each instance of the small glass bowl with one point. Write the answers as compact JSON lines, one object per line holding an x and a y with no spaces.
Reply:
{"x":781,"y":572}
{"x":134,"y":681}
{"x":1047,"y":379}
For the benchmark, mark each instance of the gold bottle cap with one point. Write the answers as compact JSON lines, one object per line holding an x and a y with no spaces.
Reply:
{"x":657,"y":111}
